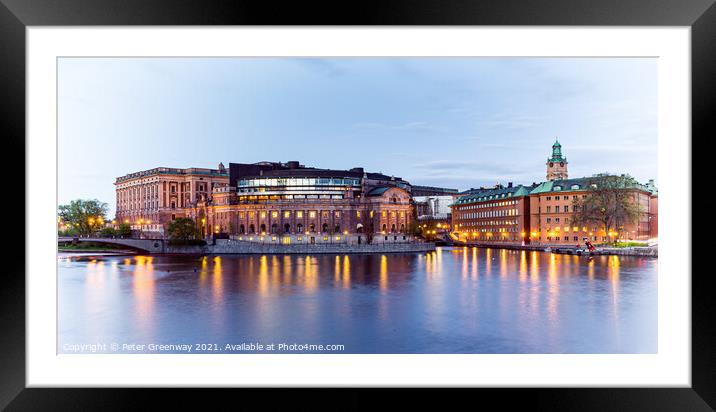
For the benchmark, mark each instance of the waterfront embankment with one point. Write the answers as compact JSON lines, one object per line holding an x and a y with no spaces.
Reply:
{"x":224,"y":246}
{"x":646,"y":251}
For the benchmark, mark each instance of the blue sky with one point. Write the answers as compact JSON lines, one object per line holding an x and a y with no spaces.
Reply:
{"x":453,"y":122}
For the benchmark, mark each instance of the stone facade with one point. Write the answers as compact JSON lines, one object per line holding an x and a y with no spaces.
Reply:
{"x":150,"y":199}
{"x":292,"y":203}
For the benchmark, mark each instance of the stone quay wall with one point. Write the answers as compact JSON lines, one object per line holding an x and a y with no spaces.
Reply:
{"x":225,"y":246}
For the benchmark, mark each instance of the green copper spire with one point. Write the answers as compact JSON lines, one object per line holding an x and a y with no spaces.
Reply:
{"x":557,"y":152}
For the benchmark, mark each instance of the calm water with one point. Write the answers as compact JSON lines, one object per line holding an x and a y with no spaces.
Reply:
{"x":461,"y":300}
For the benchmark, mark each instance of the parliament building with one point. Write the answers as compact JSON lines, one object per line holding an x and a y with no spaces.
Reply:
{"x":271,"y":202}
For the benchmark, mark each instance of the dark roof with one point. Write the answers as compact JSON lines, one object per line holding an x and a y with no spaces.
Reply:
{"x":492,"y":193}
{"x":377,"y":191}
{"x":268,"y":169}
{"x":581,"y":183}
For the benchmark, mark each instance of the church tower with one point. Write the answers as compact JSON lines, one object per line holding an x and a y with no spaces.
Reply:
{"x":557,"y":164}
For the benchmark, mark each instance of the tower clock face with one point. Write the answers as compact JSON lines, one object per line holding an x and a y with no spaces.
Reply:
{"x":551,"y":164}
{"x":561,"y":164}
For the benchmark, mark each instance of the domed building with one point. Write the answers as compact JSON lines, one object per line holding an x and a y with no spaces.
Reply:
{"x":291,"y":203}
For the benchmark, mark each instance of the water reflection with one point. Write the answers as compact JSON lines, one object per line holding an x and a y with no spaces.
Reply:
{"x":445,"y":301}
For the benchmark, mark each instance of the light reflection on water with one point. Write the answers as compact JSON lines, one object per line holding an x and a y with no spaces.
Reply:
{"x":452,"y":300}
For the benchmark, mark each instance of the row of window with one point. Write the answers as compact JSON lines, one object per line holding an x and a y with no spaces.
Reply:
{"x":565,"y":197}
{"x":490,"y":213}
{"x":299,"y":214}
{"x":297,"y":182}
{"x":489,"y":223}
{"x":311,"y":228}
{"x":486,"y":205}
{"x":567,"y":229}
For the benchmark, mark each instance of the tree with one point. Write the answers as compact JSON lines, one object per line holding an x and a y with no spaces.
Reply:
{"x":124,"y":230}
{"x":183,"y":228}
{"x":610,"y":203}
{"x":86,"y":216}
{"x":108,"y":232}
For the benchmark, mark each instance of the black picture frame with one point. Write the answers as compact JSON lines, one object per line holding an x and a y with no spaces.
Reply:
{"x":16,"y":15}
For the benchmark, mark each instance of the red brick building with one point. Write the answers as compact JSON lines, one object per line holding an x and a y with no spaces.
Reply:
{"x":499,"y":214}
{"x":542,"y":213}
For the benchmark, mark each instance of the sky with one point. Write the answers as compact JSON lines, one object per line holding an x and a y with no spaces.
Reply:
{"x":449,"y":122}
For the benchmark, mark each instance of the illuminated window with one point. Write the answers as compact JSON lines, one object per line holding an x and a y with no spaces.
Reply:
{"x":299,"y":214}
{"x":274,"y":214}
{"x":325,"y":238}
{"x":263,"y":215}
{"x":338,"y":215}
{"x":312,"y":214}
{"x":287,"y":214}
{"x":252,"y":215}
{"x":338,"y":238}
{"x":384,"y":213}
{"x":358,"y":213}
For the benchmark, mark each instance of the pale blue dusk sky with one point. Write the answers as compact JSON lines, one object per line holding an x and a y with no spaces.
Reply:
{"x":453,"y":122}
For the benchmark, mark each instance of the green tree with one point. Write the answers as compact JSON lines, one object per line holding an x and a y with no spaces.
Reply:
{"x":108,"y":232}
{"x":124,"y":230}
{"x":183,"y":228}
{"x":86,"y":216}
{"x":610,"y":203}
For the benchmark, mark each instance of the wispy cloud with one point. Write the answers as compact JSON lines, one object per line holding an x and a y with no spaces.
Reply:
{"x":321,"y":66}
{"x":512,"y":122}
{"x":410,"y":126}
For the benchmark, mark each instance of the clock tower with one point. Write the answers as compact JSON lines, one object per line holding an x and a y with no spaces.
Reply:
{"x":557,"y":164}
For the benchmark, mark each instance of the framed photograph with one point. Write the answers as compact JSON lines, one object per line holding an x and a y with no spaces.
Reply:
{"x":423,"y":197}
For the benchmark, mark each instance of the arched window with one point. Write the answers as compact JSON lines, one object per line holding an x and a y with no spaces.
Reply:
{"x":385,"y":227}
{"x":392,"y":228}
{"x":287,"y":228}
{"x":337,"y":229}
{"x":359,"y":228}
{"x":402,"y":228}
{"x":252,"y":229}
{"x":299,"y":228}
{"x":242,"y":229}
{"x":324,"y":228}
{"x":274,"y":228}
{"x":312,"y":228}
{"x":263,"y":228}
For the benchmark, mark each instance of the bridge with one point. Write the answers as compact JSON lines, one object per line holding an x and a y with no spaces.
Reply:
{"x":145,"y":245}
